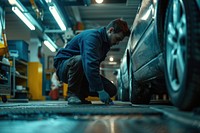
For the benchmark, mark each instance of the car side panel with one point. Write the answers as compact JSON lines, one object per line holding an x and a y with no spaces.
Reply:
{"x":151,"y":70}
{"x":144,"y":45}
{"x":124,"y":71}
{"x":141,"y":22}
{"x":146,"y":50}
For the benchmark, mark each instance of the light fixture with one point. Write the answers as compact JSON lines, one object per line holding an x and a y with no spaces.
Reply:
{"x":99,"y":1}
{"x":17,"y":3}
{"x":57,"y":17}
{"x":111,"y":59}
{"x":112,"y":63}
{"x":24,"y":11}
{"x":48,"y":1}
{"x":23,"y":17}
{"x":50,"y":46}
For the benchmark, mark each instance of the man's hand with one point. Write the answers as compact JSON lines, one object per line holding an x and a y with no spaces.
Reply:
{"x":104,"y":97}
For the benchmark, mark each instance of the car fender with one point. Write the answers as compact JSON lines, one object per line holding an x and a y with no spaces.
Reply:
{"x":198,"y":3}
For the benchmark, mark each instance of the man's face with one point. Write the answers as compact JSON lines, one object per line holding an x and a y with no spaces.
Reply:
{"x":115,"y":38}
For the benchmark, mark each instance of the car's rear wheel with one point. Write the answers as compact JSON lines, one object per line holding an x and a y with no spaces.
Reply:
{"x":182,"y":53}
{"x":138,"y":93}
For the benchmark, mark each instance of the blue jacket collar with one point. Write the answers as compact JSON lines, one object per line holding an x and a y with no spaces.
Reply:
{"x":105,"y":36}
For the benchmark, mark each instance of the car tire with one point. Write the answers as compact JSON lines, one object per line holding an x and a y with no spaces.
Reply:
{"x":138,"y":93}
{"x":182,"y":53}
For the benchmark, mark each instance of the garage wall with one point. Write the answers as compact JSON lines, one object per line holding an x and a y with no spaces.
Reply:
{"x":17,"y":30}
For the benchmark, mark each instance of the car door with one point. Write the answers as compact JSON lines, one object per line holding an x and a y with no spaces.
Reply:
{"x":143,"y":42}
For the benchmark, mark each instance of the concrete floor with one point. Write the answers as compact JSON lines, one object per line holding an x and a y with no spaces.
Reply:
{"x":122,"y":117}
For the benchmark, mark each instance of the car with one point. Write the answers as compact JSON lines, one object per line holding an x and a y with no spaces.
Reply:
{"x":123,"y":80}
{"x":163,"y":52}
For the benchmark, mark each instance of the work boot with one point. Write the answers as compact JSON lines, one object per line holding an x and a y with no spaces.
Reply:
{"x":74,"y":100}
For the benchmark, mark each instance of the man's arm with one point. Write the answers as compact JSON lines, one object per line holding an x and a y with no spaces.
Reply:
{"x":90,"y":53}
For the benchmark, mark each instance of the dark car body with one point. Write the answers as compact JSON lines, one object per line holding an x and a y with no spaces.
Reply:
{"x":148,"y":52}
{"x":144,"y":47}
{"x":123,"y":79}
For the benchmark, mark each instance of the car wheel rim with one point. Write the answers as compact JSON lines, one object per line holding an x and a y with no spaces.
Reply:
{"x":176,"y":44}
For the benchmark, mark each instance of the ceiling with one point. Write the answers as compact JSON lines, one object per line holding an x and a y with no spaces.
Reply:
{"x":90,"y":14}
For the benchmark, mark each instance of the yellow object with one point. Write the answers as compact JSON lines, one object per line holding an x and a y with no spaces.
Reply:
{"x":96,"y":98}
{"x":2,"y":49}
{"x":36,"y":9}
{"x":65,"y":88}
{"x":4,"y":45}
{"x":35,"y":80}
{"x":92,"y":98}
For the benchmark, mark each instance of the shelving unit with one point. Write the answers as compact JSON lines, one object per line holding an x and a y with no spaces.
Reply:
{"x":19,"y":78}
{"x":5,"y":84}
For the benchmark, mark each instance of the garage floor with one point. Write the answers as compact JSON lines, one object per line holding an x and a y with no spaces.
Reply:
{"x":122,"y":117}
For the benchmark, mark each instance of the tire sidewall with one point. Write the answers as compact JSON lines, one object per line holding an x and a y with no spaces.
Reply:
{"x":178,"y":97}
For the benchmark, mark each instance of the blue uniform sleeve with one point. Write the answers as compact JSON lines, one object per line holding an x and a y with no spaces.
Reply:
{"x":90,"y":53}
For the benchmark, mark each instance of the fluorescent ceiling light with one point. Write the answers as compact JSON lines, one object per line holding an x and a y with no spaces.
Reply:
{"x":48,"y":1}
{"x":57,"y":17}
{"x":17,"y":3}
{"x":23,"y":18}
{"x":50,"y":46}
{"x":99,"y":1}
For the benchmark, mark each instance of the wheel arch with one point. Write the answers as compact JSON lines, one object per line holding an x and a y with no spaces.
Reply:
{"x":198,"y":3}
{"x":128,"y":59}
{"x":160,"y":20}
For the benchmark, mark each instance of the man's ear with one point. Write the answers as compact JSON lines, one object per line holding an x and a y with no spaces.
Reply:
{"x":111,"y":29}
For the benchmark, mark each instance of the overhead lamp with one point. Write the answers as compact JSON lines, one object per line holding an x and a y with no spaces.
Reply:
{"x":99,"y":1}
{"x":48,"y":1}
{"x":23,"y":17}
{"x":50,"y":46}
{"x":111,"y":59}
{"x":17,"y":3}
{"x":57,"y":17}
{"x":112,"y":63}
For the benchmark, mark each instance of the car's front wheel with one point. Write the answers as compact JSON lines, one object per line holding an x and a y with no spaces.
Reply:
{"x":182,"y":53}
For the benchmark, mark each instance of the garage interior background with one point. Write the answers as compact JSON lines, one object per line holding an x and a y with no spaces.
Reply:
{"x":77,"y":15}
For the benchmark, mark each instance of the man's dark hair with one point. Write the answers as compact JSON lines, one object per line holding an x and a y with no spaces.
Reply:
{"x":119,"y":25}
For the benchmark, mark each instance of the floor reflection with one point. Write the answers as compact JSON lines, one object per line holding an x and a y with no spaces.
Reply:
{"x":96,"y":124}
